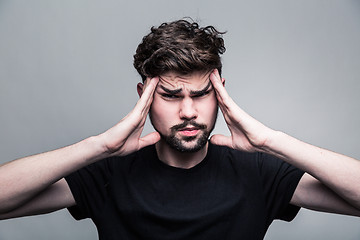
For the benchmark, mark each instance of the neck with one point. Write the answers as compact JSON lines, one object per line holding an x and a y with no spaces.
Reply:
{"x":174,"y":158}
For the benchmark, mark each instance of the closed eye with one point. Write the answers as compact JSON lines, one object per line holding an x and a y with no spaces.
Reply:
{"x":169,"y":96}
{"x":201,"y":94}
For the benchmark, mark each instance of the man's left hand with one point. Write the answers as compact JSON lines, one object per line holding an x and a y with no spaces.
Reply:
{"x":247,"y":134}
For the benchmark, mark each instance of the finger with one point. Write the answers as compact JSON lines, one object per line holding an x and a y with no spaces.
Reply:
{"x":149,"y":139}
{"x":221,"y":140}
{"x":149,"y":88}
{"x":137,"y":117}
{"x":224,"y":100}
{"x":146,"y":98}
{"x":218,"y":85}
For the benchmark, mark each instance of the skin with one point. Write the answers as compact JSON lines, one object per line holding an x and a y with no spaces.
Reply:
{"x":331,"y":182}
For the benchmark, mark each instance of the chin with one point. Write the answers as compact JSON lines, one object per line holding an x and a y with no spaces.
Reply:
{"x":187,"y":145}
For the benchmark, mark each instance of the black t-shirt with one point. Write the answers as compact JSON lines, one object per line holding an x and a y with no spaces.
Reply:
{"x":229,"y":195}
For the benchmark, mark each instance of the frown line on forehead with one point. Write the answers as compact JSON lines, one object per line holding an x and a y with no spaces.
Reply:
{"x":179,"y":90}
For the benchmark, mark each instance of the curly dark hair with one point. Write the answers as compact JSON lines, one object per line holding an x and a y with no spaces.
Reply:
{"x":180,"y":46}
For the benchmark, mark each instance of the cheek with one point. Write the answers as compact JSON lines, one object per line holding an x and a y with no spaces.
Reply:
{"x":208,"y":108}
{"x":161,"y":112}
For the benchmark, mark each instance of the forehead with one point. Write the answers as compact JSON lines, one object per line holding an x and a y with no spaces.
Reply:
{"x":195,"y":80}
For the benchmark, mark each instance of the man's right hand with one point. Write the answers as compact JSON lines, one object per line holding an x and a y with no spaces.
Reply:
{"x":125,"y":137}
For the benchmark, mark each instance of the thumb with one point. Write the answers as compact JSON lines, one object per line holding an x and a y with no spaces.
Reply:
{"x":149,"y":139}
{"x":221,"y":140}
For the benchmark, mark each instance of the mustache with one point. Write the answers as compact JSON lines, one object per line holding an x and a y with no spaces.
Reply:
{"x":188,"y":123}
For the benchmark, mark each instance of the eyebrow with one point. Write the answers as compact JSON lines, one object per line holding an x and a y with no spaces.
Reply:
{"x":202,"y":91}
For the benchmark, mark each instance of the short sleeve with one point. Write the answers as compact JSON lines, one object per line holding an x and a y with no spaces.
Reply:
{"x":279,"y":180}
{"x":89,"y":188}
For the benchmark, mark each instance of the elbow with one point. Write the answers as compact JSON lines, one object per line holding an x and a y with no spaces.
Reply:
{"x":7,"y":206}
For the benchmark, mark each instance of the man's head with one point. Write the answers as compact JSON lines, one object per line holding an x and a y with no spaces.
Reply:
{"x":182,"y":55}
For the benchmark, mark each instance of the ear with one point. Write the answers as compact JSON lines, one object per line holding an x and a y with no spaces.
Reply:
{"x":139,"y":88}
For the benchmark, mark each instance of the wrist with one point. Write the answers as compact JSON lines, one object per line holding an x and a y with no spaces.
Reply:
{"x":97,"y":148}
{"x":272,"y":141}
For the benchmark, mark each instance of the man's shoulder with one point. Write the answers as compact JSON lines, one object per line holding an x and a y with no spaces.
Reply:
{"x":225,"y":151}
{"x":246,"y":160}
{"x":146,"y":152}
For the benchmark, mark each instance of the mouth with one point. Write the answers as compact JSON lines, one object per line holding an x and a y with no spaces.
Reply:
{"x":189,"y":131}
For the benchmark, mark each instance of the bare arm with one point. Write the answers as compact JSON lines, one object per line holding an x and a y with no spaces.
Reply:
{"x":338,"y":176}
{"x":337,"y":172}
{"x":22,"y":180}
{"x":55,"y":197}
{"x":312,"y":194}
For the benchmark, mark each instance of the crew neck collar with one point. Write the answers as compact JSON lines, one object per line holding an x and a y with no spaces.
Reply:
{"x":179,"y":169}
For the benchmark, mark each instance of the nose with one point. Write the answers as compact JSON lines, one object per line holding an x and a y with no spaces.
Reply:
{"x":188,"y":109}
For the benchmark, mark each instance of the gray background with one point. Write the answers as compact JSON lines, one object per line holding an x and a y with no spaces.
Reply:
{"x":66,"y":73}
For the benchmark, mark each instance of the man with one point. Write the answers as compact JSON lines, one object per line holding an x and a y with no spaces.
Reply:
{"x":174,"y":183}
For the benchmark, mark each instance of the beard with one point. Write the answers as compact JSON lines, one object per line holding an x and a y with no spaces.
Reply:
{"x":183,"y":143}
